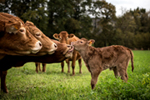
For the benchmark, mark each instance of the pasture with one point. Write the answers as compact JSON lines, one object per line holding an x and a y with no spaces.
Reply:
{"x":25,"y":84}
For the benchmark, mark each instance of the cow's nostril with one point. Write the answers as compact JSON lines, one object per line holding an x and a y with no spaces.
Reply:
{"x":55,"y":45}
{"x":68,"y":46}
{"x":40,"y":44}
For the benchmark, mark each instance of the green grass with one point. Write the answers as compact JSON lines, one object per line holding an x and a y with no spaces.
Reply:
{"x":25,"y":84}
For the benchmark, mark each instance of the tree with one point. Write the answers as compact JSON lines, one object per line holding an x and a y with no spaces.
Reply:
{"x":106,"y":13}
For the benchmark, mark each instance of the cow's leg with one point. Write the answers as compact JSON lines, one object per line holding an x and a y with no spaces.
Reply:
{"x":68,"y":64}
{"x":3,"y":81}
{"x":37,"y":64}
{"x":62,"y":67}
{"x":80,"y":65}
{"x":94,"y":74}
{"x":74,"y":62}
{"x":44,"y":67}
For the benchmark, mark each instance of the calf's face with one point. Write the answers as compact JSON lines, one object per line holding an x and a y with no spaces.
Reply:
{"x":48,"y":46}
{"x":82,"y":44}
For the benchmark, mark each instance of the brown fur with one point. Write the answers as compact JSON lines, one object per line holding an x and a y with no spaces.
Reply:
{"x":64,"y":37}
{"x":14,"y":38}
{"x":48,"y":46}
{"x":113,"y":57}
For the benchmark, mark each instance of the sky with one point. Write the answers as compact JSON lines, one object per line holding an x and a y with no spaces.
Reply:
{"x":122,"y":5}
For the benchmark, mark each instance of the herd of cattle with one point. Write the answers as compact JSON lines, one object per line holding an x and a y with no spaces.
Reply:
{"x":23,"y":42}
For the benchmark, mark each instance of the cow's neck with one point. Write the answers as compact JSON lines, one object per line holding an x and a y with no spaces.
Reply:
{"x":2,"y":56}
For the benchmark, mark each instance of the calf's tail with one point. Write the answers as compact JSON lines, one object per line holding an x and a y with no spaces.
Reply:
{"x":131,"y":59}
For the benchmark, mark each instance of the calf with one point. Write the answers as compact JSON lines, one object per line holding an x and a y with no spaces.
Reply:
{"x":63,"y":52}
{"x":98,"y":59}
{"x":64,"y":37}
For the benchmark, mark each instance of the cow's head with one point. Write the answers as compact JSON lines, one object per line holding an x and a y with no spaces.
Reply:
{"x":49,"y":46}
{"x":63,"y":36}
{"x":15,"y":39}
{"x":82,"y":44}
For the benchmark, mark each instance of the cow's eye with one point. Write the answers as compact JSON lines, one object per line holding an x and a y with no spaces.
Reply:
{"x":21,"y":30}
{"x":38,"y":34}
{"x":81,"y":42}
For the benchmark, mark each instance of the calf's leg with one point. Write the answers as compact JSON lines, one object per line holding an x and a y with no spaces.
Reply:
{"x":122,"y":72}
{"x":94,"y":74}
{"x":3,"y":81}
{"x":116,"y":73}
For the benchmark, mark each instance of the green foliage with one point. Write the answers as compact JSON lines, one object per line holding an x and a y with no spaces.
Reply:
{"x":25,"y":84}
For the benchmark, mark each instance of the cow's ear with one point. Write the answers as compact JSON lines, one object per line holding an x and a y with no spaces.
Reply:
{"x":90,"y":42}
{"x":71,"y":35}
{"x":56,"y":36}
{"x":12,"y":28}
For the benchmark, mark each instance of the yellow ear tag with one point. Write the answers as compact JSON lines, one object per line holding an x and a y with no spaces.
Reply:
{"x":90,"y":43}
{"x":16,"y":27}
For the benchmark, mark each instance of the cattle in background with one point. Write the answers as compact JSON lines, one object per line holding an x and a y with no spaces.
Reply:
{"x":64,"y":37}
{"x":63,"y":52}
{"x":48,"y":46}
{"x":15,"y":39}
{"x":113,"y":57}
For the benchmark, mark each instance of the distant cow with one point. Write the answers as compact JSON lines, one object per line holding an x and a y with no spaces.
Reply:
{"x":48,"y":46}
{"x":63,"y":52}
{"x":15,"y":39}
{"x":64,"y":37}
{"x":98,"y":59}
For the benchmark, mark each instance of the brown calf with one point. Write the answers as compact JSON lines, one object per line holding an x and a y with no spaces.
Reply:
{"x":64,"y":37}
{"x":98,"y":59}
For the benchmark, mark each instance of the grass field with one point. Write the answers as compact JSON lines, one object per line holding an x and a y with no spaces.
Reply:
{"x":25,"y":84}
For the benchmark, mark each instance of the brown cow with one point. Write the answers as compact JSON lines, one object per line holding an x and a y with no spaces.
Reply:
{"x":15,"y":39}
{"x":64,"y":37}
{"x":63,"y":52}
{"x":48,"y":46}
{"x":98,"y":59}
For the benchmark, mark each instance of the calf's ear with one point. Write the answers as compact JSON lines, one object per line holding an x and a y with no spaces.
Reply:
{"x":56,"y":36}
{"x":91,"y":41}
{"x":29,"y":23}
{"x":71,"y":35}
